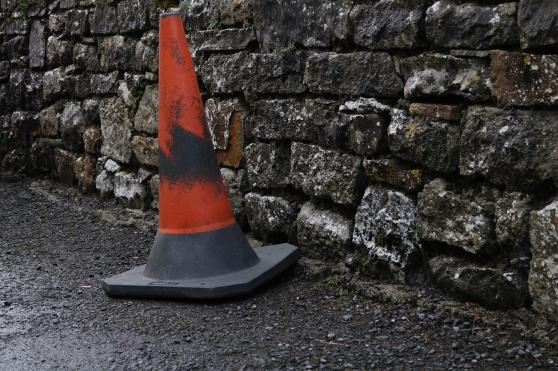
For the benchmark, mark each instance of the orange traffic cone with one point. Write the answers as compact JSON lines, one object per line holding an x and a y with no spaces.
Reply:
{"x":199,"y":251}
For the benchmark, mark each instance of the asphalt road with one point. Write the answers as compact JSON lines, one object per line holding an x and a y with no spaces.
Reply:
{"x":56,"y":245}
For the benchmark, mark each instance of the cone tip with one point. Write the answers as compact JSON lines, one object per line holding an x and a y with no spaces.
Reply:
{"x":170,"y":12}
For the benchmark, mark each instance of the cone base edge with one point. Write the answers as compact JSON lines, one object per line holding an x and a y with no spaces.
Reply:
{"x":274,"y":259}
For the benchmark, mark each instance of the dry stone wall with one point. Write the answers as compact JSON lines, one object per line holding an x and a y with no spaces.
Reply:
{"x":409,"y":139}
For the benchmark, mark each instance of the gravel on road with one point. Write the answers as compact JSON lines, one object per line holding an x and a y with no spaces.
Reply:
{"x":56,"y":245}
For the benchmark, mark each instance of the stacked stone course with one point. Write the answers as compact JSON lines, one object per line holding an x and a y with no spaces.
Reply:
{"x":417,"y":140}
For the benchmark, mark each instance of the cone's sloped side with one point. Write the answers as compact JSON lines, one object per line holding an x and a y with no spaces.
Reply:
{"x":192,"y":195}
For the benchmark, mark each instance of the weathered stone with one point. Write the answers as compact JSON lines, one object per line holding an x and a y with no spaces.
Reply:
{"x":385,"y":233}
{"x":364,"y":134}
{"x":4,"y":70}
{"x":507,"y":147}
{"x":388,"y":24}
{"x":37,"y":9}
{"x":133,"y":15}
{"x":104,"y":20}
{"x":359,"y":73}
{"x":543,"y":276}
{"x":24,"y":121}
{"x":395,"y":173}
{"x":437,"y":75}
{"x":57,"y":22}
{"x":49,"y":120}
{"x":219,"y":112}
{"x":226,"y":124}
{"x":16,"y":26}
{"x":72,"y":125}
{"x":146,"y":52}
{"x":14,"y":47}
{"x":42,"y":154}
{"x":144,"y":175}
{"x":198,"y":14}
{"x":67,"y":4}
{"x":126,"y":94}
{"x":104,"y":83}
{"x":5,"y":122}
{"x":64,"y":163}
{"x":364,"y":105}
{"x":444,"y":112}
{"x":73,"y":70}
{"x":525,"y":79}
{"x":146,"y":116}
{"x":466,"y":53}
{"x":16,"y":88}
{"x":270,"y":217}
{"x":233,"y":180}
{"x":26,"y":89}
{"x":537,"y":21}
{"x":512,"y":222}
{"x":86,"y":57}
{"x":325,"y":173}
{"x":117,"y":130}
{"x":490,"y":286}
{"x":4,"y":98}
{"x":104,"y":183}
{"x":471,"y":26}
{"x":92,"y":138}
{"x":116,"y":52}
{"x":457,"y":219}
{"x":260,"y":73}
{"x":154,"y":188}
{"x":432,"y":143}
{"x":78,"y":86}
{"x":84,"y":170}
{"x":307,"y":22}
{"x":323,"y":234}
{"x":222,"y":40}
{"x":100,"y":166}
{"x":146,"y":150}
{"x":267,"y":165}
{"x":8,"y":5}
{"x":153,"y":11}
{"x":290,"y":119}
{"x":77,"y":22}
{"x":54,"y":85}
{"x":129,"y":189}
{"x":37,"y":41}
{"x":235,"y":12}
{"x":14,"y":160}
{"x":59,"y":52}
{"x":139,"y":82}
{"x":112,"y":166}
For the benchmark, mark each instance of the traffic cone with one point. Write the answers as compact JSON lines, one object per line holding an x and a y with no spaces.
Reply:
{"x":199,"y":251}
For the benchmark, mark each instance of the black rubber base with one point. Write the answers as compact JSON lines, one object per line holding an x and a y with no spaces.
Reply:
{"x":272,"y":261}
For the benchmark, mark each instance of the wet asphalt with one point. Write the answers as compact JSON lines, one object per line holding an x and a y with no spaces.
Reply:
{"x":56,"y":245}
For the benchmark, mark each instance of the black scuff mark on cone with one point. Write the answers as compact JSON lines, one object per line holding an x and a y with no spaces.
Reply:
{"x":191,"y":160}
{"x":176,"y":107}
{"x":176,"y":53}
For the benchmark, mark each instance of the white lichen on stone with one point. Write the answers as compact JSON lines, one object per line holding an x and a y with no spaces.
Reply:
{"x":385,"y":227}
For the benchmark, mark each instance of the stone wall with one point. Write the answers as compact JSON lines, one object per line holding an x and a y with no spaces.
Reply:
{"x":409,"y":139}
